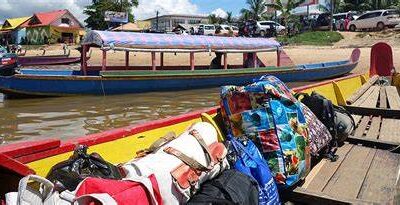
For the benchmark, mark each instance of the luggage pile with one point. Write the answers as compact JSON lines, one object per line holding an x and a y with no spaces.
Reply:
{"x":270,"y":139}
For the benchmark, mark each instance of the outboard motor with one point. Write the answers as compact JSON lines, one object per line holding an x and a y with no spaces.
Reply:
{"x":8,"y":64}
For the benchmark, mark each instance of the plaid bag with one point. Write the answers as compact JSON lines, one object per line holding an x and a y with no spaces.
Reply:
{"x":320,"y":138}
{"x":267,"y":113}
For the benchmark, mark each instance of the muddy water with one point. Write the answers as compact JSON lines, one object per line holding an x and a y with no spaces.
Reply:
{"x":68,"y":117}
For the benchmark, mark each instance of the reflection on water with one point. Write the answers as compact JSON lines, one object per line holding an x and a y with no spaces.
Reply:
{"x":67,"y":117}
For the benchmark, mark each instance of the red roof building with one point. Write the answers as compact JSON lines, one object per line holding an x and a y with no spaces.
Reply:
{"x":53,"y":27}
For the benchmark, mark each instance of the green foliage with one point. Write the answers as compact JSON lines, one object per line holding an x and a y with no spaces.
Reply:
{"x":365,"y":5}
{"x":214,"y":19}
{"x":285,"y":8}
{"x":96,"y":11}
{"x":229,"y":17}
{"x":255,"y":11}
{"x":320,"y":38}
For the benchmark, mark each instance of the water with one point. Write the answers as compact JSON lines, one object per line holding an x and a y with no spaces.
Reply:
{"x":68,"y":117}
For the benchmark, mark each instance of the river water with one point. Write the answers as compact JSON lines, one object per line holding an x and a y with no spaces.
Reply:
{"x":68,"y":117}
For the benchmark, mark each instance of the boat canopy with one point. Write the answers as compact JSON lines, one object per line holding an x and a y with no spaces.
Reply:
{"x":188,"y":43}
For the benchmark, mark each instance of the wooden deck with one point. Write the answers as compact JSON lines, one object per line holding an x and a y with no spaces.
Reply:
{"x":377,"y":116}
{"x":361,"y":175}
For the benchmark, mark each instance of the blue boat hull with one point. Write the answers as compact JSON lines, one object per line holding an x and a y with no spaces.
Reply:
{"x":64,"y":83}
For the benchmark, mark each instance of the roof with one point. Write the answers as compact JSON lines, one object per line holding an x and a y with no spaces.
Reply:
{"x":46,"y":18}
{"x":123,"y":40}
{"x":14,"y":22}
{"x":128,"y":27}
{"x":179,"y":15}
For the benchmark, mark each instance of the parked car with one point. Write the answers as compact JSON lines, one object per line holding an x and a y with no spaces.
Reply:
{"x":206,"y":29}
{"x":378,"y":19}
{"x":226,"y":30}
{"x":322,"y":22}
{"x":267,"y":27}
{"x":343,"y":19}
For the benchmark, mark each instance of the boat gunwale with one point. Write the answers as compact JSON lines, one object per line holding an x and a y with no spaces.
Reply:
{"x":119,"y":133}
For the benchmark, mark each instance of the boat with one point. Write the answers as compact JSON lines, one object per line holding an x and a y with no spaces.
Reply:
{"x":63,"y":59}
{"x":108,"y":80}
{"x":366,"y":171}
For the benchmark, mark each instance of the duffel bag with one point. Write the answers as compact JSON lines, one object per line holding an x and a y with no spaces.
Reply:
{"x":139,"y":191}
{"x":339,"y":122}
{"x":320,"y":137}
{"x":229,"y":188}
{"x":183,"y":164}
{"x":267,"y":113}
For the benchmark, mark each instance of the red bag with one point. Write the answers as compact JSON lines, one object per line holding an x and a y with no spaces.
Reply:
{"x":143,"y":191}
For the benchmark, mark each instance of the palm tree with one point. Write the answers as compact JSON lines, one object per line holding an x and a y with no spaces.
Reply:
{"x":256,"y":9}
{"x":229,"y":17}
{"x":214,"y":19}
{"x":285,"y":9}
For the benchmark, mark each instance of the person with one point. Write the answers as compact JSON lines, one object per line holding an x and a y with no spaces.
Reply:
{"x":216,"y":61}
{"x":249,"y":62}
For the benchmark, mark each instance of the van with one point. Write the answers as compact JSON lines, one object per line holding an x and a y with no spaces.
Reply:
{"x":206,"y":29}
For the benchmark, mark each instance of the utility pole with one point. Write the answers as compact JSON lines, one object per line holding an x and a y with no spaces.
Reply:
{"x":332,"y":6}
{"x":157,"y":20}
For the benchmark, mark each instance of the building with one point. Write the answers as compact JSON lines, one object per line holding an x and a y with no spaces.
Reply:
{"x":53,"y":27}
{"x":167,"y":23}
{"x":12,"y":31}
{"x":138,"y":26}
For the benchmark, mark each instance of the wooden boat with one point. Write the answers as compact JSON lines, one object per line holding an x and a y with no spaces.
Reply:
{"x":107,"y":80}
{"x":63,"y":59}
{"x":363,"y":174}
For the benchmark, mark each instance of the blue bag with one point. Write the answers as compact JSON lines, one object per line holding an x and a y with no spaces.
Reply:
{"x":250,"y":162}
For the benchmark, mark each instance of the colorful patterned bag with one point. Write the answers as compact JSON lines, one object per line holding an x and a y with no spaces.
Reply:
{"x":320,"y":138}
{"x":267,"y":113}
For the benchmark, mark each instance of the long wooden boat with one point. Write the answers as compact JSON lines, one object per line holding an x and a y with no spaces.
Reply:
{"x":63,"y":59}
{"x":363,"y":174}
{"x":108,"y":80}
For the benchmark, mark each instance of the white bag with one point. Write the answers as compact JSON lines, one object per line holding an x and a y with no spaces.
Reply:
{"x":184,"y":163}
{"x":28,"y":195}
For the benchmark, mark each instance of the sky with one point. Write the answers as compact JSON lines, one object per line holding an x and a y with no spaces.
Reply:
{"x":146,"y":9}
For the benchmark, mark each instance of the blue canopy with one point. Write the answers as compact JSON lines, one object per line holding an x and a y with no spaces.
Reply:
{"x":172,"y":41}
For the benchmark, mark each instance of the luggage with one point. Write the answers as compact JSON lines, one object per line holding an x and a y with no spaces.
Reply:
{"x":249,"y":161}
{"x":320,"y":137}
{"x":339,"y":122}
{"x":139,"y":191}
{"x":267,"y":113}
{"x":230,"y":187}
{"x":41,"y":194}
{"x":68,"y":174}
{"x":183,"y":164}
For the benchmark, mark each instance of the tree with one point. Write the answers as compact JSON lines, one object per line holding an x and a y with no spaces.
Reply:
{"x":229,"y":17}
{"x":255,"y":11}
{"x":96,"y":10}
{"x":285,"y":9}
{"x":214,"y":19}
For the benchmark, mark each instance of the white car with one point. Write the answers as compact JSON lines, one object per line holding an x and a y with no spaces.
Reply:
{"x":264,"y":27}
{"x":206,"y":29}
{"x":378,"y":19}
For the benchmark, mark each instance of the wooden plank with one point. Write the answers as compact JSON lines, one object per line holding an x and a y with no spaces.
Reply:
{"x":349,"y":177}
{"x":372,"y":101}
{"x":393,"y":97}
{"x":374,"y":128}
{"x":364,"y":97}
{"x":390,"y":130}
{"x":383,"y":112}
{"x":374,"y":143}
{"x":324,"y":173}
{"x":353,"y":98}
{"x":380,"y":183}
{"x":360,"y":130}
{"x":356,"y":118}
{"x":382,"y":98}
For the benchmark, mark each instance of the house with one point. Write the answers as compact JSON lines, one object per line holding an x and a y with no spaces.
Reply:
{"x":133,"y":27}
{"x":53,"y":27}
{"x":12,"y":31}
{"x":167,"y":23}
